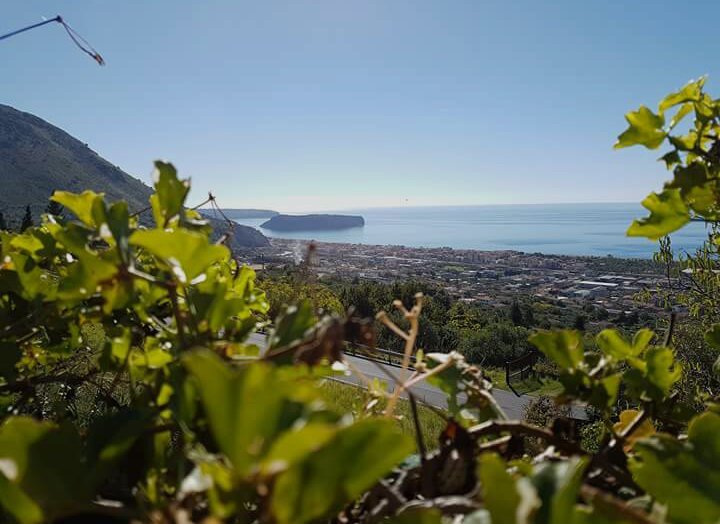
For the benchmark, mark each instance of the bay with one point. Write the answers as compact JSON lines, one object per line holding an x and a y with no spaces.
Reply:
{"x":564,"y":229}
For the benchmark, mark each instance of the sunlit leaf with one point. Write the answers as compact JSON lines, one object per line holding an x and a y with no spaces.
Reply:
{"x":668,"y":213}
{"x":564,"y":347}
{"x":645,"y":128}
{"x":187,"y":253}
{"x":356,"y":458}
{"x":684,"y":475}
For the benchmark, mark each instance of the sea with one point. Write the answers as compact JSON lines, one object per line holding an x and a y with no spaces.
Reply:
{"x":563,"y":229}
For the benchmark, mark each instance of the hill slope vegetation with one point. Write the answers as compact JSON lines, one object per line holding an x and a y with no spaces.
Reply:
{"x":37,"y":158}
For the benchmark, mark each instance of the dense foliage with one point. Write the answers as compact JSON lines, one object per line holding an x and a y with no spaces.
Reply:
{"x":130,"y":391}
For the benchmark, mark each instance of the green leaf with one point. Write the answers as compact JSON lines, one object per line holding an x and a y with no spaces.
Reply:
{"x":614,"y":345}
{"x":557,"y":484}
{"x":564,"y":347}
{"x":83,"y":206}
{"x":356,"y":458}
{"x":421,"y":516}
{"x":170,"y":193}
{"x":712,"y":336}
{"x":292,"y":325}
{"x":691,"y":92}
{"x":681,"y":113}
{"x":188,"y":254}
{"x":645,"y":128}
{"x":668,"y":213}
{"x":247,"y":408}
{"x":662,"y":371}
{"x":505,"y":499}
{"x":38,"y":459}
{"x":684,"y":475}
{"x":293,"y":446}
{"x":448,"y":380}
{"x":17,"y":503}
{"x":670,"y":158}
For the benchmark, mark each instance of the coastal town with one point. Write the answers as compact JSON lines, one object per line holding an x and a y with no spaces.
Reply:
{"x":483,"y":277}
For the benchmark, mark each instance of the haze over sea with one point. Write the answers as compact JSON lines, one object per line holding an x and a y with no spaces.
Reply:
{"x":564,"y":229}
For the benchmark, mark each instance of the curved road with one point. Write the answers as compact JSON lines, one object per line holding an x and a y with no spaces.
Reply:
{"x":512,"y":405}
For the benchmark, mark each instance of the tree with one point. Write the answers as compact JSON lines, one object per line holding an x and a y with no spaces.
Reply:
{"x":579,"y":322}
{"x":27,"y":220}
{"x":516,"y":315}
{"x":3,"y":224}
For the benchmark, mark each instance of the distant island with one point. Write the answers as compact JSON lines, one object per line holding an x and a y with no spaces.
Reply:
{"x":312,"y":222}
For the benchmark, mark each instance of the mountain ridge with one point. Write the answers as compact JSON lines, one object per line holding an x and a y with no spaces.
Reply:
{"x":38,"y":158}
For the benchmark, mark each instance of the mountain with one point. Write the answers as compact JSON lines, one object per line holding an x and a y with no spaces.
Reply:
{"x":37,"y":158}
{"x":312,"y":222}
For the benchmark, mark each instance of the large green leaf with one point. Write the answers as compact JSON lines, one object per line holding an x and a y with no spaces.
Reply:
{"x":188,"y":254}
{"x":564,"y":347}
{"x":644,"y":128}
{"x":506,"y":499}
{"x":557,"y":484}
{"x":347,"y":465}
{"x":42,"y":462}
{"x":612,"y":343}
{"x":668,"y":213}
{"x":85,"y":206}
{"x":663,"y":371}
{"x":247,"y":408}
{"x":170,"y":193}
{"x":684,"y":475}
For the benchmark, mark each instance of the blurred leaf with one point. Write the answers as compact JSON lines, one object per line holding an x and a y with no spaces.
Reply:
{"x":83,"y":205}
{"x":662,"y":370}
{"x":421,"y":516}
{"x":557,"y":485}
{"x":684,"y":475}
{"x":564,"y":347}
{"x":351,"y":462}
{"x":247,"y":408}
{"x":170,"y":194}
{"x":505,"y":499}
{"x":712,"y":336}
{"x":627,"y":417}
{"x":38,"y":459}
{"x":668,"y":213}
{"x":292,"y":325}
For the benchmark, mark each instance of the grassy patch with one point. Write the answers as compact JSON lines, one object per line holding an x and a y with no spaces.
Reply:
{"x":346,"y":398}
{"x":530,"y":386}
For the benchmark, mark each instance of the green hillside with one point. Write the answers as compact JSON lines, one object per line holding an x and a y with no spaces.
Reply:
{"x":37,"y":158}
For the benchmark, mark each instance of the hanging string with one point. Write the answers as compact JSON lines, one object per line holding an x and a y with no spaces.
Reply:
{"x":78,"y":40}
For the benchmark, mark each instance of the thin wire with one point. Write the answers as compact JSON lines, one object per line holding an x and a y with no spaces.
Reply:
{"x":77,"y":39}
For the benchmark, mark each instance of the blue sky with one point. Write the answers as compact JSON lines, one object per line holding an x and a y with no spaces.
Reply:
{"x":331,"y":104}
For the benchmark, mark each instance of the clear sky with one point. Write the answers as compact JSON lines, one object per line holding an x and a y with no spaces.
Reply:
{"x":332,"y":104}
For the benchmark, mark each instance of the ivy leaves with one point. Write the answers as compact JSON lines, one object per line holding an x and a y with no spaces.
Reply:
{"x":263,"y":422}
{"x":683,"y":475}
{"x":693,"y":192}
{"x":650,"y":372}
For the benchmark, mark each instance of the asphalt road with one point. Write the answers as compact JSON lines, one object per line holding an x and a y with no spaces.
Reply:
{"x":512,"y":405}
